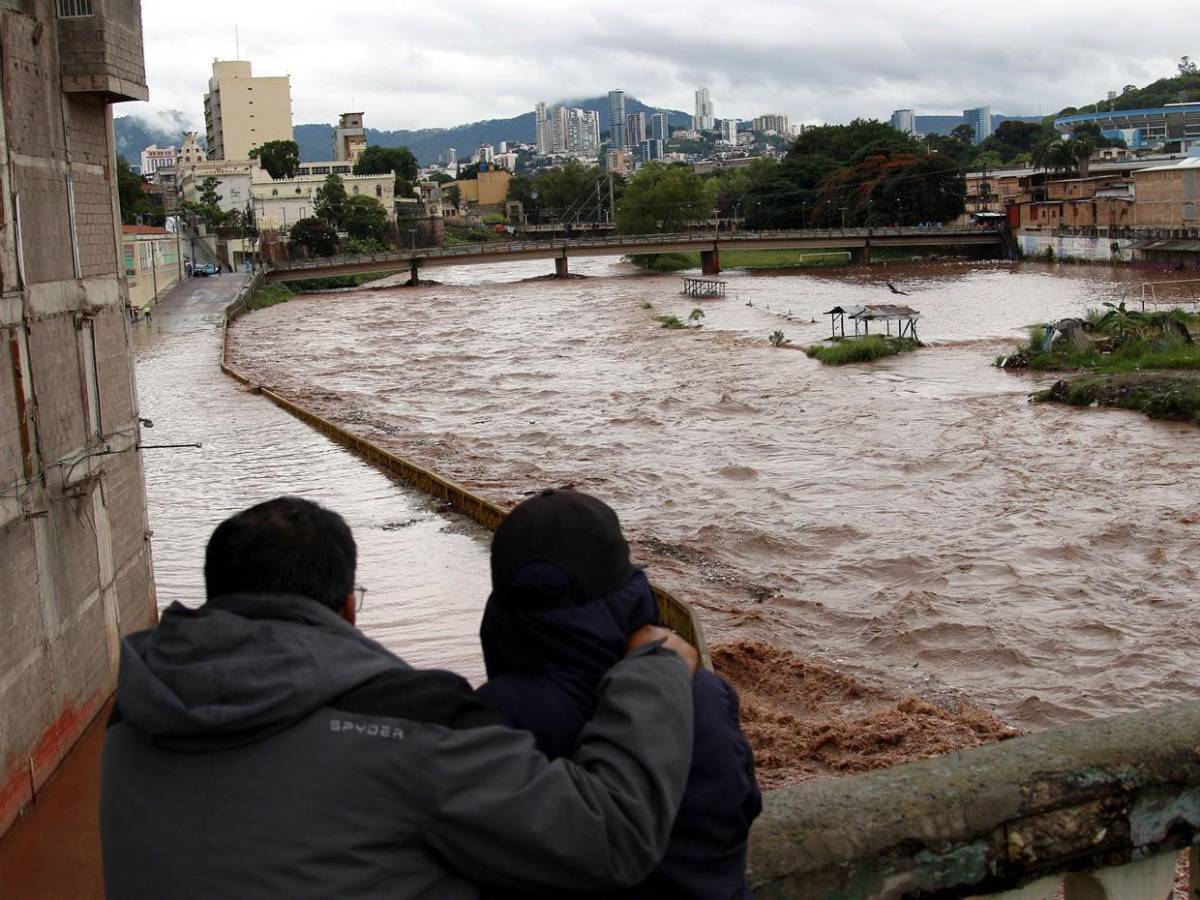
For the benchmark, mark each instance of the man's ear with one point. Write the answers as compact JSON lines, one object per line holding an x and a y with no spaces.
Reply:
{"x":349,"y":608}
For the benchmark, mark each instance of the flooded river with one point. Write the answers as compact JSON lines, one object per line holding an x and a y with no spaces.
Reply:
{"x":425,"y":573}
{"x":915,"y":521}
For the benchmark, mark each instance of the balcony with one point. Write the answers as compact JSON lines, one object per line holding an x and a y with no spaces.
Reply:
{"x":100,"y":48}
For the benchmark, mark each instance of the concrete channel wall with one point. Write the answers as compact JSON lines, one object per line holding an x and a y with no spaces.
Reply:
{"x":1092,"y":811}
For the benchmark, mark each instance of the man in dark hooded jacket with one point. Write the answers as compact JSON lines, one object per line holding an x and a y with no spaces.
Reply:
{"x":261,"y":746}
{"x":564,"y":598}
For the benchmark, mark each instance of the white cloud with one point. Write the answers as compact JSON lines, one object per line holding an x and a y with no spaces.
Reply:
{"x":420,"y":64}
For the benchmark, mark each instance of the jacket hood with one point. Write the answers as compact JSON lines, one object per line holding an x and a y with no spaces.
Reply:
{"x":240,"y":667}
{"x":587,"y":639}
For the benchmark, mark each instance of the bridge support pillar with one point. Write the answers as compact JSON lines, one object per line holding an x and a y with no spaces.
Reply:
{"x":414,"y":276}
{"x":860,"y":255}
{"x":710,"y":261}
{"x":560,"y":267}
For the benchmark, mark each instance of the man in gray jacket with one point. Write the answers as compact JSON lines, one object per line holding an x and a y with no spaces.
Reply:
{"x":261,"y":746}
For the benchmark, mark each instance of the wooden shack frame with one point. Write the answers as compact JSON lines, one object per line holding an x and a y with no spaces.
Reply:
{"x":862,"y":317}
{"x":703,"y":287}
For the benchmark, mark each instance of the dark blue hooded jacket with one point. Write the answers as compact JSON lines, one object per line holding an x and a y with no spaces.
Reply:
{"x":544,"y":662}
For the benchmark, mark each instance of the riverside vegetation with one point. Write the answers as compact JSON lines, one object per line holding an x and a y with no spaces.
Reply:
{"x":857,"y":350}
{"x":1127,"y":359}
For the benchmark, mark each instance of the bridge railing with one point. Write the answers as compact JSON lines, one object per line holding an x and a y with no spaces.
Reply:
{"x":1099,"y":810}
{"x":500,"y":248}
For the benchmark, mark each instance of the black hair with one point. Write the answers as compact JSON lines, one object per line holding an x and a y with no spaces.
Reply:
{"x":283,"y":546}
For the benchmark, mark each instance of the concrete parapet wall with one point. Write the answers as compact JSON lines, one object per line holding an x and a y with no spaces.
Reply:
{"x":1081,"y":797}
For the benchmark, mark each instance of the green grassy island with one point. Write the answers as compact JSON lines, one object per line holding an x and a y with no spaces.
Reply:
{"x":857,"y":350}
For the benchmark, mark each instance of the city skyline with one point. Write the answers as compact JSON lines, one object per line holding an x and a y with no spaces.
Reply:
{"x":812,"y":64}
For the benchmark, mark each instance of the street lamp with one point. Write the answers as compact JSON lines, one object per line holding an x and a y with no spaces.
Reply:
{"x":412,"y":233}
{"x":716,"y":222}
{"x":843,"y":209}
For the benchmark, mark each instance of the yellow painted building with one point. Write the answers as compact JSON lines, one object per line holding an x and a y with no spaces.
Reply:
{"x":489,"y":189}
{"x":242,"y":112}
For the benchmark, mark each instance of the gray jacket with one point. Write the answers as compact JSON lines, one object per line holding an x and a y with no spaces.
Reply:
{"x":262,"y":747}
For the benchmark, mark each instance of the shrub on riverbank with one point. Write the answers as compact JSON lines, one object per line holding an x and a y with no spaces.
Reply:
{"x":1160,"y":397}
{"x":857,"y":350}
{"x":269,"y":295}
{"x":334,"y":282}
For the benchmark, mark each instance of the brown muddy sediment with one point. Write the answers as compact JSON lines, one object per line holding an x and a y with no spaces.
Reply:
{"x":915,"y":522}
{"x":807,"y":720}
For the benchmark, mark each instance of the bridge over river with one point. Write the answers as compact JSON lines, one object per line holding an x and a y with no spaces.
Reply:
{"x":858,"y":241}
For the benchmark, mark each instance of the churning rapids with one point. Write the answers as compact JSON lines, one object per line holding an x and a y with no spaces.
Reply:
{"x":914,"y":521}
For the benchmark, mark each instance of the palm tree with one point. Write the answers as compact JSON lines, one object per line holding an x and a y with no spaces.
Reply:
{"x":1061,"y":157}
{"x":1083,"y":146}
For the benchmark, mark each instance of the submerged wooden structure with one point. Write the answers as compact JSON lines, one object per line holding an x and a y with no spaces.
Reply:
{"x":703,"y":287}
{"x":905,"y":318}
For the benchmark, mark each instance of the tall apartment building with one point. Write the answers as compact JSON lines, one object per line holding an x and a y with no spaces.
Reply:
{"x":703,"y":120}
{"x":776,"y":123}
{"x":242,"y":112}
{"x":583,"y":132}
{"x":349,"y":138}
{"x":904,"y":121}
{"x":541,"y":129}
{"x":980,"y":120}
{"x":617,"y":139}
{"x":660,"y":129}
{"x":635,"y":128}
{"x":728,"y":130}
{"x":563,"y":129}
{"x":75,"y":573}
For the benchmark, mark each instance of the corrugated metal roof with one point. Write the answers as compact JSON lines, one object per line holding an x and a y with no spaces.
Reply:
{"x":1191,"y":162}
{"x":886,"y":311}
{"x":1167,"y":245}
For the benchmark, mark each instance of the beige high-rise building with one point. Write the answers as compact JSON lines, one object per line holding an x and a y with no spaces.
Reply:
{"x":242,"y":112}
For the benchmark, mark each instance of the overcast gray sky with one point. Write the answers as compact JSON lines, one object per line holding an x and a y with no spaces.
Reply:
{"x":416,"y":64}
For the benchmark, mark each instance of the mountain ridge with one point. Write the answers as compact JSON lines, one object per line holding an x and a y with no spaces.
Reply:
{"x":134,"y":134}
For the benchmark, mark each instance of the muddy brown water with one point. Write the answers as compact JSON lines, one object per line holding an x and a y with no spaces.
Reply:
{"x":915,"y":522}
{"x":424,"y":571}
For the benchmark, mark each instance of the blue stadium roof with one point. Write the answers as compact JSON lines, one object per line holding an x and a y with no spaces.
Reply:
{"x":1180,"y":121}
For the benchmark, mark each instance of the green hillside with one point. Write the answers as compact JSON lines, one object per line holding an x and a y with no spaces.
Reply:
{"x":1181,"y":88}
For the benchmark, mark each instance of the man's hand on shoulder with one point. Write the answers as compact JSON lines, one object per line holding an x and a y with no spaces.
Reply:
{"x":648,"y":634}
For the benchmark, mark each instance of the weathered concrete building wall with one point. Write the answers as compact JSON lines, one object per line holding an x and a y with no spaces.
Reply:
{"x":1084,"y":249}
{"x":74,"y":554}
{"x":1169,"y":196}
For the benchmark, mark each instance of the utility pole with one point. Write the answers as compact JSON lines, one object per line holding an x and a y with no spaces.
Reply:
{"x":612,"y":205}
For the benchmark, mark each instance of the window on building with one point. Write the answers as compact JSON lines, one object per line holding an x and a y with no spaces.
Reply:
{"x":74,"y":9}
{"x":379,"y":190}
{"x":356,"y":189}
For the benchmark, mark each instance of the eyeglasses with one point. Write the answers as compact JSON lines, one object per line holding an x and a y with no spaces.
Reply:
{"x":360,"y":594}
